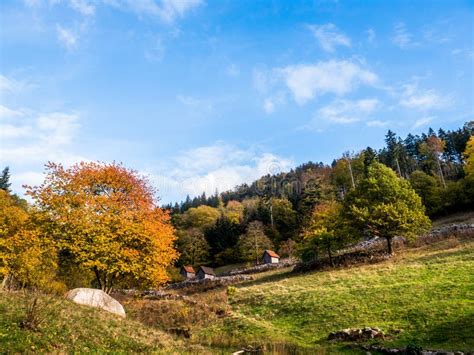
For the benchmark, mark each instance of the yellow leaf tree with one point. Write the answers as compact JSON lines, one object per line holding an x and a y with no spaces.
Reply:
{"x":26,"y":258}
{"x":469,"y":158}
{"x":105,"y":218}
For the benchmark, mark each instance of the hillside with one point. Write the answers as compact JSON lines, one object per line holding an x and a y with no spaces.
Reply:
{"x":67,"y":328}
{"x":426,"y":293}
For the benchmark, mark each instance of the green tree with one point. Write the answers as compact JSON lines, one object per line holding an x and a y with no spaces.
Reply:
{"x":193,"y":247}
{"x":428,"y":189}
{"x":252,"y":244}
{"x":284,"y":217}
{"x":385,"y":206}
{"x":222,"y":238}
{"x":5,"y":179}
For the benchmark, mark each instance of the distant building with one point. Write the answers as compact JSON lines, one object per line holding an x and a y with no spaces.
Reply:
{"x":270,"y":257}
{"x":187,"y":272}
{"x":205,"y":272}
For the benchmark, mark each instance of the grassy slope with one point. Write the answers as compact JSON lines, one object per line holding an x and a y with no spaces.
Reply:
{"x":429,"y":293}
{"x":71,"y":328}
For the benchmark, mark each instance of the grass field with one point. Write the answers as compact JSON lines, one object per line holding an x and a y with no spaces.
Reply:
{"x":427,"y":293}
{"x":69,"y":328}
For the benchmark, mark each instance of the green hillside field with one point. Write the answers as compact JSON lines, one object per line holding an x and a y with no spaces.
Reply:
{"x":426,"y":293}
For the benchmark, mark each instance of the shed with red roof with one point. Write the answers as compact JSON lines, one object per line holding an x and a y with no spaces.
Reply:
{"x":270,"y":257}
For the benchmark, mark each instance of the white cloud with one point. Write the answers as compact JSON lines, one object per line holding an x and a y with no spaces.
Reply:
{"x":436,"y":36}
{"x":8,"y":131}
{"x":270,"y":103}
{"x":39,"y":137}
{"x":219,"y":166}
{"x":337,"y":77}
{"x":85,"y":7}
{"x":414,"y":98}
{"x":32,"y":3}
{"x":268,"y":106}
{"x":401,"y":37}
{"x":6,"y":112}
{"x":9,"y":85}
{"x":30,"y":178}
{"x":166,"y":10}
{"x":377,"y":123}
{"x":422,"y":122}
{"x":329,"y":36}
{"x":67,"y":37}
{"x":346,"y":111}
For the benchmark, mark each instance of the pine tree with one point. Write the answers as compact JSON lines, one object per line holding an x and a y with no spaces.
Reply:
{"x":5,"y":179}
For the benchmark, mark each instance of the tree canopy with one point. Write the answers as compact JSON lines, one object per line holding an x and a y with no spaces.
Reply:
{"x":386,"y":206}
{"x":106,"y":218}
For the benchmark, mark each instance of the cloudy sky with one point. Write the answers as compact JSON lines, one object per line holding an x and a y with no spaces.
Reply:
{"x":203,"y":95}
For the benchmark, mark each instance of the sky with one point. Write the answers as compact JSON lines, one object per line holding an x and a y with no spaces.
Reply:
{"x":200,"y":95}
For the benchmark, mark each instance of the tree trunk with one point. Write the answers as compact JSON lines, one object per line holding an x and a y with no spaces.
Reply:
{"x":97,"y":276}
{"x":441,"y":173}
{"x":330,"y":256}
{"x":398,"y":168}
{"x":389,"y":246}
{"x":352,"y":175}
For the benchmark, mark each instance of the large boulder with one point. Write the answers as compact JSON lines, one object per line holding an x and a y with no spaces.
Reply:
{"x":96,"y":298}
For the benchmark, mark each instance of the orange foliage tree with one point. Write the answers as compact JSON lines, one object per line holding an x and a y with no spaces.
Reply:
{"x":105,"y":218}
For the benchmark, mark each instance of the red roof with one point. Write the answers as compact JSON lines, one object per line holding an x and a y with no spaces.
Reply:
{"x":272,"y":253}
{"x":189,"y":268}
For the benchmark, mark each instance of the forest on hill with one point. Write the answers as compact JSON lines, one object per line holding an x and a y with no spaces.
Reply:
{"x":276,"y":211}
{"x":99,"y":225}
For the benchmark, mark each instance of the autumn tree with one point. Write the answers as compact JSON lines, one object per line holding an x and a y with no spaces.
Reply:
{"x":288,"y":248}
{"x":26,"y":258}
{"x":468,"y":183}
{"x":469,"y":158}
{"x":385,"y":206}
{"x":431,"y":150}
{"x":201,"y":217}
{"x":252,"y":244}
{"x":234,"y":210}
{"x":106,"y":218}
{"x":325,"y":231}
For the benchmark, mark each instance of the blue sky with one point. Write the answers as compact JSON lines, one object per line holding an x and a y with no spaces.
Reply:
{"x":203,"y":95}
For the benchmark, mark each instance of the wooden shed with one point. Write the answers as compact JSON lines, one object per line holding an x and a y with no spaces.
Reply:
{"x":270,"y":257}
{"x":205,"y":272}
{"x":187,"y":272}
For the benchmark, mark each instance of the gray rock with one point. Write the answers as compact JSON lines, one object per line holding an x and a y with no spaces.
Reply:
{"x":96,"y":298}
